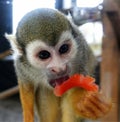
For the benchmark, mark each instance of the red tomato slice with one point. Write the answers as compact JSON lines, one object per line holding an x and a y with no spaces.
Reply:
{"x":76,"y":80}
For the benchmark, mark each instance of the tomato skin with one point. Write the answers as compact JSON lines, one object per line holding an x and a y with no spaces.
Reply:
{"x":77,"y":80}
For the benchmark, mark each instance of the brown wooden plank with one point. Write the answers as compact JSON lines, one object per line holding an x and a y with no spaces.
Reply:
{"x":110,"y":5}
{"x":110,"y":67}
{"x":6,"y":53}
{"x":9,"y":92}
{"x":115,"y":22}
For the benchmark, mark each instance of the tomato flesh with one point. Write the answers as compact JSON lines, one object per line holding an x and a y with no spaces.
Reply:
{"x":77,"y":80}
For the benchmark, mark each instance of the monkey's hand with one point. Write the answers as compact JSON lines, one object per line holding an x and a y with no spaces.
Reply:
{"x":91,"y":105}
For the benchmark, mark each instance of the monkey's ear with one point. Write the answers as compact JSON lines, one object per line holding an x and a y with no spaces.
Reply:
{"x":75,"y":30}
{"x":14,"y":44}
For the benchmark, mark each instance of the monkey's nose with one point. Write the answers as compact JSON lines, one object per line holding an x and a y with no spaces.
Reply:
{"x":59,"y":70}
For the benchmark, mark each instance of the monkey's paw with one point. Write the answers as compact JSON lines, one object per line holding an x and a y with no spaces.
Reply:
{"x":92,"y":105}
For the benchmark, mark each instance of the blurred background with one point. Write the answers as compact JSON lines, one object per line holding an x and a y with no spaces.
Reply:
{"x":99,"y":22}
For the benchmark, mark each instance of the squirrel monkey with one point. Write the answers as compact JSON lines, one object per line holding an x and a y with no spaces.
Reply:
{"x":49,"y":48}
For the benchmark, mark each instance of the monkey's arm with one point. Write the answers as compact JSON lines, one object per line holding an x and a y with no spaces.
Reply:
{"x":91,"y":105}
{"x":27,"y":101}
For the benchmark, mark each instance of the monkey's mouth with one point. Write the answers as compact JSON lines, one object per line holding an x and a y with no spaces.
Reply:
{"x":58,"y":81}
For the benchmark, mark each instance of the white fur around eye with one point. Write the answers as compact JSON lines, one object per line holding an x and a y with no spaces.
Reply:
{"x":67,"y":36}
{"x":32,"y":49}
{"x":36,"y":46}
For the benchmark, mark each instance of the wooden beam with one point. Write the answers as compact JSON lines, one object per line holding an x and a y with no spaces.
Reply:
{"x":6,"y":53}
{"x":110,"y":5}
{"x":114,"y":17}
{"x":110,"y":68}
{"x":9,"y":92}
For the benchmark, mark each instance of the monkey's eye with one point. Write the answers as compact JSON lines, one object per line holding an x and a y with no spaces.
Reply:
{"x":44,"y":54}
{"x":64,"y":48}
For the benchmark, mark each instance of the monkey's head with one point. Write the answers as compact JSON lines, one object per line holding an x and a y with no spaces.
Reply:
{"x":50,"y":46}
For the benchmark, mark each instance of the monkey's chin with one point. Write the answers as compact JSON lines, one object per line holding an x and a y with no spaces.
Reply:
{"x":59,"y":81}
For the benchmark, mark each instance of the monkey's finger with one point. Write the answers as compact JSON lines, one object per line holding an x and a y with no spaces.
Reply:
{"x":87,"y":109}
{"x":94,"y":104}
{"x":101,"y":102}
{"x":93,"y":108}
{"x":84,"y":112}
{"x":90,"y":108}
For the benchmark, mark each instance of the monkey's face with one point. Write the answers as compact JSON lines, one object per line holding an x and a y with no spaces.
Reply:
{"x":54,"y":61}
{"x":49,"y":45}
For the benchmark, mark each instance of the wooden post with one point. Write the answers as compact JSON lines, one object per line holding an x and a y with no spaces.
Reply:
{"x":7,"y":93}
{"x":110,"y":68}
